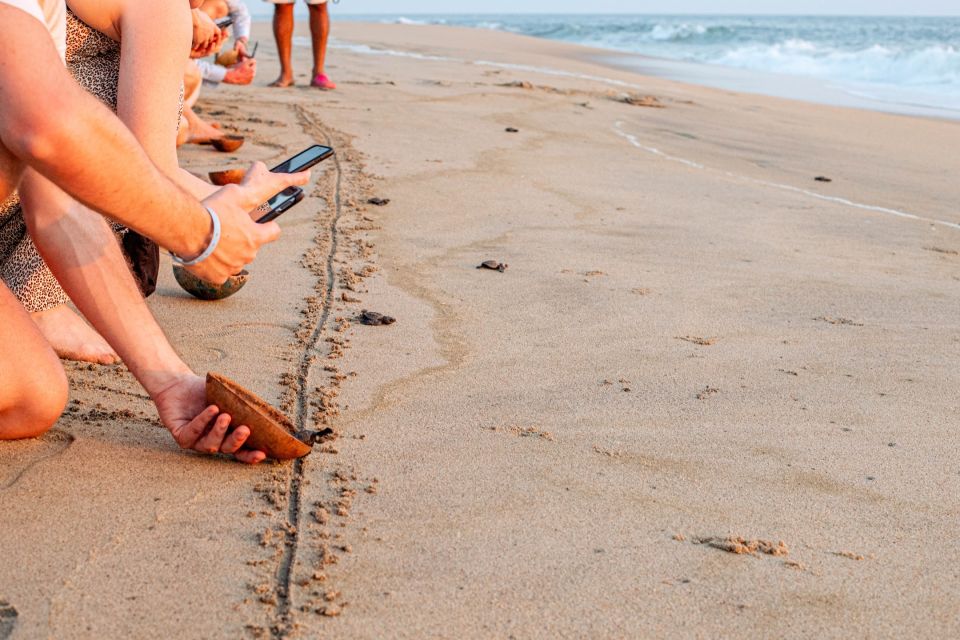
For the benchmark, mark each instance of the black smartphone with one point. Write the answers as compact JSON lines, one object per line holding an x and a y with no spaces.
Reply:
{"x":304,"y":160}
{"x":281,"y":203}
{"x":224,"y":22}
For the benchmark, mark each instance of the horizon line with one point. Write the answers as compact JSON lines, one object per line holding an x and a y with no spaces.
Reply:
{"x":662,"y":15}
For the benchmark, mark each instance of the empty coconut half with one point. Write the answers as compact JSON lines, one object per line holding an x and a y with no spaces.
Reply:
{"x":270,"y":430}
{"x":204,"y":290}
{"x":227,"y":176}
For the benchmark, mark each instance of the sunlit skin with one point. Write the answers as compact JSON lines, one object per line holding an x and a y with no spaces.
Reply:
{"x":91,"y":156}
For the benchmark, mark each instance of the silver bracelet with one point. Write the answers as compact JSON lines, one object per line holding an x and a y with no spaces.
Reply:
{"x":214,"y":241}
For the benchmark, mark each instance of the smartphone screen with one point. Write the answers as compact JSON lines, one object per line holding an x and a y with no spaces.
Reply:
{"x":281,"y":203}
{"x":304,"y":160}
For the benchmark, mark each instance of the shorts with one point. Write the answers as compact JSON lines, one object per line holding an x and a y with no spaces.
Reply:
{"x":293,"y":1}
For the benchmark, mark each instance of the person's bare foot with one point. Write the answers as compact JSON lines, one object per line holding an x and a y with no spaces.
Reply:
{"x":72,"y":338}
{"x":281,"y":82}
{"x":201,"y":131}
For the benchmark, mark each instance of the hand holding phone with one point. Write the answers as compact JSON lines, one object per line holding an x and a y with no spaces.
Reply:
{"x":288,"y":198}
{"x":281,"y":203}
{"x":304,"y":160}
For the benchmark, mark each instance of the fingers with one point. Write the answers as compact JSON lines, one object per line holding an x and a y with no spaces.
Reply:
{"x":235,"y":441}
{"x":208,"y":272}
{"x":251,"y":457}
{"x":259,"y":184}
{"x":212,"y":442}
{"x":188,"y":435}
{"x":293,"y":179}
{"x":259,"y":179}
{"x":269,"y":232}
{"x":257,"y":170}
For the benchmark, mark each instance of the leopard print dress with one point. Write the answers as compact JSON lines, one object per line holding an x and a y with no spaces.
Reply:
{"x":94,"y":61}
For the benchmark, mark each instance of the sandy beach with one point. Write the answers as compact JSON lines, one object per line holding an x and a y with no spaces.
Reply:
{"x":711,"y":396}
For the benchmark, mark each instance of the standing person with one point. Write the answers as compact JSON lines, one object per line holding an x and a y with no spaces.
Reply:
{"x":243,"y":68}
{"x":319,"y":33}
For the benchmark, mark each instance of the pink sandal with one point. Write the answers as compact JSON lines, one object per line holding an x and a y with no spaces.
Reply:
{"x":321,"y":81}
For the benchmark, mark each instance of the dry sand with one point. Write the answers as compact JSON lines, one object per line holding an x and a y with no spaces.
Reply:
{"x":696,"y":348}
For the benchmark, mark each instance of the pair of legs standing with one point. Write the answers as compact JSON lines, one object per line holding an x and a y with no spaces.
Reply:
{"x":319,"y":34}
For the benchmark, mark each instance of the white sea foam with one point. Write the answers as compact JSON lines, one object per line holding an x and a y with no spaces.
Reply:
{"x":932,"y":67}
{"x":672,"y":32}
{"x":363,"y":49}
{"x":402,"y":20}
{"x":905,"y":61}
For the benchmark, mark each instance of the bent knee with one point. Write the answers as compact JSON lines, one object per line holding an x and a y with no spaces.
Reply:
{"x":37,"y":403}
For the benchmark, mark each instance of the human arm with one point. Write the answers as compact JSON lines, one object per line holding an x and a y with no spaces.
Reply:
{"x":211,"y":72}
{"x":49,"y":123}
{"x":207,"y":37}
{"x":83,"y":254}
{"x":87,"y":151}
{"x":155,"y":39}
{"x":241,"y":25}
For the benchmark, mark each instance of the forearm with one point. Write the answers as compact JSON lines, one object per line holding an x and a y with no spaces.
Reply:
{"x":88,"y":149}
{"x":103,"y":149}
{"x":242,"y":19}
{"x":83,"y":254}
{"x":211,"y":72}
{"x":193,"y":185}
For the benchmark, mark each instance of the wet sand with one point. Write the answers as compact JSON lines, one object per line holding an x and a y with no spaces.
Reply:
{"x":710,"y":395}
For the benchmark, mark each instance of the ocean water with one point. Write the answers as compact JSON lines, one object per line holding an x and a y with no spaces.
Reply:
{"x":892,"y":61}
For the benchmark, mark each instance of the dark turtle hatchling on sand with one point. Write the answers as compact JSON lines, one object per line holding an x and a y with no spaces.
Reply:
{"x":493,"y":265}
{"x":375,"y":319}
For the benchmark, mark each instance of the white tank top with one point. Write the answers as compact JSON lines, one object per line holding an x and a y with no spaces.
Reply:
{"x":52,"y":13}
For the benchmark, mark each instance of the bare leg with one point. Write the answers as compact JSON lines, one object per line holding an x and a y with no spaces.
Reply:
{"x":183,"y":132}
{"x":200,"y":130}
{"x":34,"y":389}
{"x":283,"y":33}
{"x":71,"y":337}
{"x":320,"y":33}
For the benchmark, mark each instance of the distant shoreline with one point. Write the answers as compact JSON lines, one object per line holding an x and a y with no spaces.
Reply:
{"x":805,"y":89}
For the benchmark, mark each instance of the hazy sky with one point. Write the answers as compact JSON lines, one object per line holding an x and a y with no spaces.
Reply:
{"x":804,"y":7}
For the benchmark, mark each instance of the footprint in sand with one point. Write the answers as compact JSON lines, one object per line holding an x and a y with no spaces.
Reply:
{"x":847,"y":322}
{"x":27,"y":455}
{"x":8,"y":619}
{"x":524,"y":432}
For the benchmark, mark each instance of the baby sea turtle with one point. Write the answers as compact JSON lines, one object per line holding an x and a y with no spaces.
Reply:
{"x":823,"y":179}
{"x":493,"y":265}
{"x":512,"y":130}
{"x":375,"y":319}
{"x":317,"y":437}
{"x":379,"y":202}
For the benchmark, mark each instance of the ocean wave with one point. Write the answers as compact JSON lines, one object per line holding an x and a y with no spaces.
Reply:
{"x":932,"y":66}
{"x":411,"y":21}
{"x":915,"y":55}
{"x":675,"y":32}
